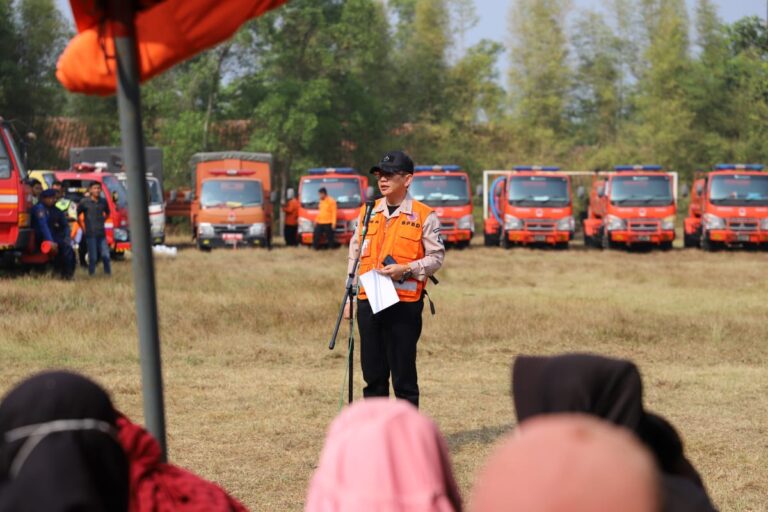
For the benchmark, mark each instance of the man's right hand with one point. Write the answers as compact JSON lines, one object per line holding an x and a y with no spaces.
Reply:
{"x":347,"y":311}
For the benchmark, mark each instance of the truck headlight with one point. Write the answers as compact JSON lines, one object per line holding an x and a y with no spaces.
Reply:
{"x":512,"y":223}
{"x":614,"y":223}
{"x":466,"y":222}
{"x":257,"y":229}
{"x":306,"y":225}
{"x":668,"y":223}
{"x":121,"y":235}
{"x":205,"y":229}
{"x":353,"y":224}
{"x":710,"y":221}
{"x":566,"y":224}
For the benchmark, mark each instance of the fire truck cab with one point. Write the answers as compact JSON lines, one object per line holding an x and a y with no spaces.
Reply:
{"x":633,"y":206}
{"x":17,"y":240}
{"x":729,"y":207}
{"x":346,"y":186}
{"x":446,"y":189}
{"x":530,"y":205}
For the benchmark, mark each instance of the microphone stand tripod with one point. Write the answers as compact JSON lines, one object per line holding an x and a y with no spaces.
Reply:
{"x":349,"y":295}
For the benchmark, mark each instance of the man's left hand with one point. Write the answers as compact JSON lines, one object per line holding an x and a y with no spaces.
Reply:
{"x":395,"y":272}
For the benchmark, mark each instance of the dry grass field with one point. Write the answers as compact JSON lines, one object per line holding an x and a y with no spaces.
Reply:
{"x":251,"y":386}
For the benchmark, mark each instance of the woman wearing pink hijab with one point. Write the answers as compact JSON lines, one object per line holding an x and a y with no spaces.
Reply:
{"x":383,"y":456}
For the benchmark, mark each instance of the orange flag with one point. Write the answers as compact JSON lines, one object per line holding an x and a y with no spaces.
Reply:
{"x":167,"y":32}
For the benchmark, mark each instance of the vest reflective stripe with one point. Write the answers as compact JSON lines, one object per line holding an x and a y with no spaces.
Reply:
{"x":399,"y":237}
{"x":63,"y":204}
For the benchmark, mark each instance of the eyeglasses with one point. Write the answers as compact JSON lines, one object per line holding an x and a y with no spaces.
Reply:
{"x":378,"y":176}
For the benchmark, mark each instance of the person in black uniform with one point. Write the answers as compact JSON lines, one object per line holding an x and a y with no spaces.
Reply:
{"x":51,"y":225}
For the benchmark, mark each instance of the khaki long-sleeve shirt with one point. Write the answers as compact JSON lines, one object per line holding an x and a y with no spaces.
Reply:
{"x":434,"y":249}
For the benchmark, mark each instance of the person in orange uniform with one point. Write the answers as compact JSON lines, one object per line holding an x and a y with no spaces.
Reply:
{"x":326,"y":220}
{"x":407,"y":231}
{"x":291,"y":223}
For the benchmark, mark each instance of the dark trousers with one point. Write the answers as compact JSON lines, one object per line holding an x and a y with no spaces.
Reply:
{"x":82,"y":250}
{"x":98,"y":248}
{"x":388,"y":345}
{"x":322,"y":231}
{"x":64,"y":263}
{"x":289,"y":233}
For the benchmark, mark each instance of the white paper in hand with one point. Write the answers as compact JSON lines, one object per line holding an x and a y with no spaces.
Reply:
{"x":380,"y":290}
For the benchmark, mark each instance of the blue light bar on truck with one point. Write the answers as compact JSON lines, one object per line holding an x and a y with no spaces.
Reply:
{"x":332,"y":170}
{"x":739,"y":167}
{"x":437,"y":168}
{"x":536,"y":168}
{"x":630,"y":168}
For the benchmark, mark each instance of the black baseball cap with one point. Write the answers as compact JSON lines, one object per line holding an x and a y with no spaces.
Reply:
{"x":394,"y":161}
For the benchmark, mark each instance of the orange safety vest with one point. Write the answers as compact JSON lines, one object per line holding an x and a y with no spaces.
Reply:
{"x":291,"y":210}
{"x":327,"y":211}
{"x":399,"y":237}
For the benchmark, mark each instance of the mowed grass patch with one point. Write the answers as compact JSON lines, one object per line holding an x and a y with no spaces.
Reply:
{"x":251,"y":386}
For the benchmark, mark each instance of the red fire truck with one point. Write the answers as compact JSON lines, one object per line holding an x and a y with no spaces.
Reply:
{"x":343,"y":184}
{"x":633,"y":206}
{"x":529,"y":205}
{"x":446,"y":189}
{"x":17,"y":240}
{"x":729,"y":207}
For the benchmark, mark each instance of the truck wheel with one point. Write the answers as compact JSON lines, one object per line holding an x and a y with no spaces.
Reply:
{"x":490,"y":240}
{"x":561,"y":246}
{"x":202,"y":247}
{"x":708,"y":245}
{"x":605,"y":241}
{"x":504,"y":240}
{"x":666,"y":246}
{"x":689,"y":241}
{"x":588,"y":241}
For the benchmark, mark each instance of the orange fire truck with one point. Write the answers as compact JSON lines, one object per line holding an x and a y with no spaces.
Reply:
{"x":529,"y":205}
{"x":633,"y":206}
{"x":729,"y":207}
{"x":232,"y":204}
{"x":343,"y":184}
{"x":446,"y":189}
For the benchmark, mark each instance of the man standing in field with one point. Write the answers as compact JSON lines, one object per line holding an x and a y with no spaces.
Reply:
{"x":408,"y":232}
{"x":51,"y":226}
{"x":291,"y":223}
{"x":326,"y":220}
{"x":95,"y":212}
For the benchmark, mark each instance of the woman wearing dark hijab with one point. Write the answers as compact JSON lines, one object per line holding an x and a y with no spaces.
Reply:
{"x":612,"y":390}
{"x":58,"y":448}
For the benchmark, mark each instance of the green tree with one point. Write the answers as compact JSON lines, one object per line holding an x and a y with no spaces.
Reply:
{"x":539,"y":76}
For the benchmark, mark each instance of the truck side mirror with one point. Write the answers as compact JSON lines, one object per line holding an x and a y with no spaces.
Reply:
{"x":479,"y":191}
{"x":684,"y":190}
{"x":273,"y":196}
{"x":115,"y":197}
{"x":699,"y":189}
{"x":601,"y":191}
{"x":580,"y":192}
{"x":369,"y":192}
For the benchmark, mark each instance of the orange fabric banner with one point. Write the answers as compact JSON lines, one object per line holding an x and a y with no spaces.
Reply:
{"x":167,"y":32}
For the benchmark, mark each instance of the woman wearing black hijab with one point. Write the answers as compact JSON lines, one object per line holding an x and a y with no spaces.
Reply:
{"x":58,"y":450}
{"x":610,"y":389}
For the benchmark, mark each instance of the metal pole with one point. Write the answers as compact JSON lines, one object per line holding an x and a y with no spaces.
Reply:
{"x":129,"y":106}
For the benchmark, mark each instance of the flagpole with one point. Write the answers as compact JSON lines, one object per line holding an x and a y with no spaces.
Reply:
{"x":129,"y":107}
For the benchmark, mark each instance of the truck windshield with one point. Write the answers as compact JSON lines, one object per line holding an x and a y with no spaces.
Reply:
{"x":440,"y":190}
{"x":346,"y":191}
{"x":230,"y":193}
{"x":641,"y":190}
{"x":539,"y":191}
{"x":5,"y":159}
{"x":153,"y":188}
{"x":739,"y":190}
{"x":116,"y":190}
